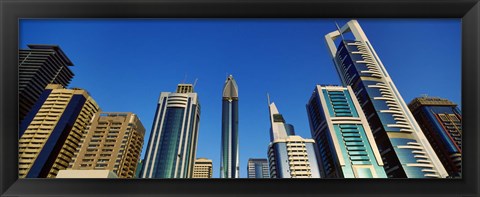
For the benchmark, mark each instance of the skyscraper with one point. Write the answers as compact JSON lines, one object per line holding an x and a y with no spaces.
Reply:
{"x":52,"y":131}
{"x":172,"y":146}
{"x":289,"y":155}
{"x":39,"y":66}
{"x":404,"y":148}
{"x":203,"y":168}
{"x":345,"y":146}
{"x":113,"y":141}
{"x":441,"y":121}
{"x":229,"y":151}
{"x":258,"y":168}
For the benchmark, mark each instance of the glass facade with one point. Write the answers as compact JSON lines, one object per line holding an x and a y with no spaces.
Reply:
{"x":342,"y":142}
{"x":441,"y":121}
{"x":387,"y":114}
{"x":378,"y":101}
{"x":169,"y":141}
{"x":229,"y":166}
{"x":172,"y":146}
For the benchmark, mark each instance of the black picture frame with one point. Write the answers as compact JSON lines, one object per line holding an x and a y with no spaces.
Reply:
{"x":13,"y":10}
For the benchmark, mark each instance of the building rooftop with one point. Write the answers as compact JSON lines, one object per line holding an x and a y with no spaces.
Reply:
{"x":55,"y":48}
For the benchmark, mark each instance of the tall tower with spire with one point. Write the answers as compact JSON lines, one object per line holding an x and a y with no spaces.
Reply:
{"x":403,"y":146}
{"x":289,"y":155}
{"x":229,"y":165}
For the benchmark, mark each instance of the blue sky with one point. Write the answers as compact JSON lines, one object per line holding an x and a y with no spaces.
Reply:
{"x":125,"y":64}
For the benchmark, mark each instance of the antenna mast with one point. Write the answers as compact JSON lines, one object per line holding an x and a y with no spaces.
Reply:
{"x":339,"y":31}
{"x":195,"y":83}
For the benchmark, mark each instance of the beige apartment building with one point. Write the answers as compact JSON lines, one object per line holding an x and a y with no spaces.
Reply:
{"x":51,"y":132}
{"x":113,"y":141}
{"x":202,"y":168}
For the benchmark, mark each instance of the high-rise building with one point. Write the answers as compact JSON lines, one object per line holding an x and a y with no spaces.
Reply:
{"x":52,"y":131}
{"x":441,"y":121}
{"x":289,"y":155}
{"x":345,"y":145}
{"x":258,"y":168}
{"x":39,"y":66}
{"x":405,"y":151}
{"x":113,"y":141}
{"x":172,"y":146}
{"x":229,"y":151}
{"x":202,"y":168}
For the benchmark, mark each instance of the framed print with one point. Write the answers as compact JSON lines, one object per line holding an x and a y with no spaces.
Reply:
{"x":239,"y":98}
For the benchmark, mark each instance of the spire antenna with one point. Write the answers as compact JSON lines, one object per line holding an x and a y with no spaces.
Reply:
{"x":339,"y":30}
{"x":195,"y":83}
{"x":268,"y":98}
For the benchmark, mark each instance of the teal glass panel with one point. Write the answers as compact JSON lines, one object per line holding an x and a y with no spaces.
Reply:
{"x":342,"y":110}
{"x":361,"y":162}
{"x":354,"y":143}
{"x":357,"y":153}
{"x":359,"y":158}
{"x":348,"y":126}
{"x":352,"y":139}
{"x":364,"y":173}
{"x":349,"y":130}
{"x":346,"y":134}
{"x":356,"y":148}
{"x":344,"y":114}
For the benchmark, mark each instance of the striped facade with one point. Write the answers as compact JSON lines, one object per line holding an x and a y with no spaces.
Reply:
{"x":229,"y":151}
{"x":441,"y":121}
{"x":113,"y":141}
{"x":345,"y":145}
{"x":52,"y":131}
{"x":405,"y":150}
{"x":172,"y":146}
{"x":39,"y":66}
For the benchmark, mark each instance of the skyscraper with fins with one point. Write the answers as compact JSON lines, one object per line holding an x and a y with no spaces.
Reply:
{"x":405,"y":151}
{"x":229,"y":151}
{"x":345,"y":144}
{"x":173,"y":140}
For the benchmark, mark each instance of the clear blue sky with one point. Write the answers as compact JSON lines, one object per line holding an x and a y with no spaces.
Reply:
{"x":125,"y":64}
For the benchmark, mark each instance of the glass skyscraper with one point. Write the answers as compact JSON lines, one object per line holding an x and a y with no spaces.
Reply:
{"x":172,"y":146}
{"x":229,"y":150}
{"x":441,"y":121}
{"x":405,"y":150}
{"x":345,"y":146}
{"x":289,"y":155}
{"x":258,"y":168}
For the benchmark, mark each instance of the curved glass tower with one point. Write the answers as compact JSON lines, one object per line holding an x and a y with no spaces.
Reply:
{"x":229,"y":164}
{"x":173,"y":141}
{"x":405,"y":150}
